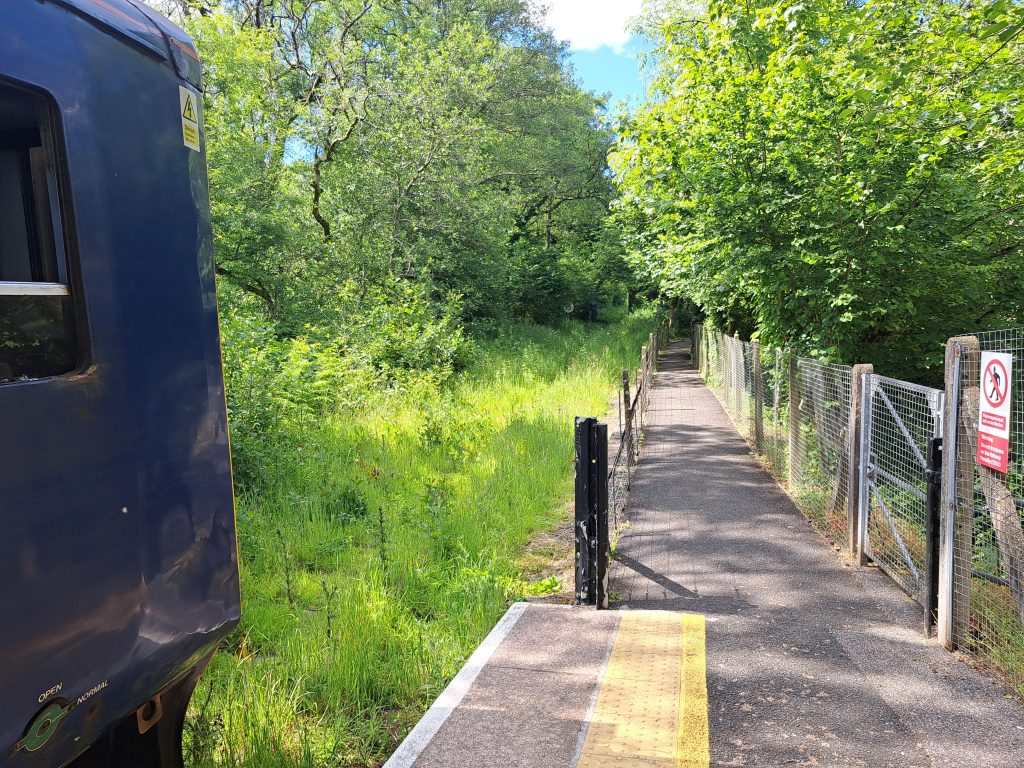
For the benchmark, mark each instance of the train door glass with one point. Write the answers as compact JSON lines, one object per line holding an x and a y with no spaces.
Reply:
{"x":37,"y":318}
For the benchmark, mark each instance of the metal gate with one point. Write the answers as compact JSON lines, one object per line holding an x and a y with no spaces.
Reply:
{"x":899,"y":482}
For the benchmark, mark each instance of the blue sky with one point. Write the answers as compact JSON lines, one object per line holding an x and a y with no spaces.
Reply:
{"x":604,"y":52}
{"x":608,"y":69}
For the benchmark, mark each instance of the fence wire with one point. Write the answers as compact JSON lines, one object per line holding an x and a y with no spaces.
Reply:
{"x":772,"y":437}
{"x":901,"y":419}
{"x":635,"y":400}
{"x":820,"y":473}
{"x":795,"y":413}
{"x":988,"y":551}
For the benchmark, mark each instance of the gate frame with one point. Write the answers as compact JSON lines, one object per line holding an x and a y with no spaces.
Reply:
{"x":857,"y":427}
{"x":869,"y":384}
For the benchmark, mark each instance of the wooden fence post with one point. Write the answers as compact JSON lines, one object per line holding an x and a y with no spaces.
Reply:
{"x":758,"y":430}
{"x":625,"y":393}
{"x":777,"y":392}
{"x":795,"y":469}
{"x":956,"y":524}
{"x":641,"y":393}
{"x":738,"y":376}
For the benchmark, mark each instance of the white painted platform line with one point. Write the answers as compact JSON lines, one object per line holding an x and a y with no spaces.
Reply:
{"x":420,"y":736}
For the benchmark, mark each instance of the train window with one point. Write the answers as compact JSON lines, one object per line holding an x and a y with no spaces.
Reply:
{"x":37,"y":332}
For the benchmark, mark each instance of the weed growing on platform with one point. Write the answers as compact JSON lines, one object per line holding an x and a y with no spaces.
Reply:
{"x":375,"y":564}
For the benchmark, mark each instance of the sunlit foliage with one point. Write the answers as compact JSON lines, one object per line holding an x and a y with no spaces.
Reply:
{"x":842,"y":177}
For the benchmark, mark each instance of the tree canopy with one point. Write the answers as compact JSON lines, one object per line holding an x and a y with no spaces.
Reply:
{"x":438,"y":156}
{"x":842,"y":177}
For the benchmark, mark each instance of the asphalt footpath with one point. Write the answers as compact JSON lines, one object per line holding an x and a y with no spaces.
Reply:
{"x":741,"y":638}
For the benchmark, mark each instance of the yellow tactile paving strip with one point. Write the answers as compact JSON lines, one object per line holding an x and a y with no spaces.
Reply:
{"x":693,"y":746}
{"x":652,"y":709}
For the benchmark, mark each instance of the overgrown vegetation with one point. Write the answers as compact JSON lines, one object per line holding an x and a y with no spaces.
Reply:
{"x":841,"y":177}
{"x":402,"y":194}
{"x":381,"y":166}
{"x":382,"y":544}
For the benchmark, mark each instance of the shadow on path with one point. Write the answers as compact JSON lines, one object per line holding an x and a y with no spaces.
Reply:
{"x":811,"y":661}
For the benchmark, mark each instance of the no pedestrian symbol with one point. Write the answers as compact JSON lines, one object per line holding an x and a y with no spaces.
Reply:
{"x":996,"y":382}
{"x":994,"y":411}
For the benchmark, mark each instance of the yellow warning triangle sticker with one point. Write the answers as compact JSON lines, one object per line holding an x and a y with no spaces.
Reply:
{"x":188,"y":107}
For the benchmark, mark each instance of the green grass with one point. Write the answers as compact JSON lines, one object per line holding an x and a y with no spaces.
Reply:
{"x":387,"y":544}
{"x":996,"y":631}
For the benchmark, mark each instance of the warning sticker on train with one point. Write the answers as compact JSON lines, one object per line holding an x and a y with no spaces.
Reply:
{"x":189,"y":103}
{"x":994,"y":410}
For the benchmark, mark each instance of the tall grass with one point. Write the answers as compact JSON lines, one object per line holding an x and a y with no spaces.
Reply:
{"x":386,"y":545}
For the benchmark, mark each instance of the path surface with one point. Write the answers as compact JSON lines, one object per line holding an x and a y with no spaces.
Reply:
{"x":809,"y":661}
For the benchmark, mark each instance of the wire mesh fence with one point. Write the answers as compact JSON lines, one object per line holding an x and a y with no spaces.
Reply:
{"x":987,"y":537}
{"x":820,"y":468}
{"x":858,"y":465}
{"x":620,"y":471}
{"x":771,"y":440}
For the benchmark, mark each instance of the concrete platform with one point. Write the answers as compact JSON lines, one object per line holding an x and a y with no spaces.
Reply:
{"x":812,"y":660}
{"x":559,"y":686}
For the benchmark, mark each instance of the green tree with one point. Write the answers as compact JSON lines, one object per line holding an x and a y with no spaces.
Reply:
{"x":844,"y":178}
{"x":355,"y":146}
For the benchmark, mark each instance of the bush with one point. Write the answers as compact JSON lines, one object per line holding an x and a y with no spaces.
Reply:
{"x":280,"y":384}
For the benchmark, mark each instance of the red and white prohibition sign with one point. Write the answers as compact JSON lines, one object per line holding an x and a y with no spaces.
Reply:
{"x":994,"y":410}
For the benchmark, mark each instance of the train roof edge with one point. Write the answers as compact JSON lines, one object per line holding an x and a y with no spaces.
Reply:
{"x":136,"y":22}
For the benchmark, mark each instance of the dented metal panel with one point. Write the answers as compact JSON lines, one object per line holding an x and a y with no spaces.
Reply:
{"x":118,"y":561}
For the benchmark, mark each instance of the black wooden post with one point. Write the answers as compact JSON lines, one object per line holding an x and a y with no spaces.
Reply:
{"x":582,"y":535}
{"x":591,"y":522}
{"x":594,"y":487}
{"x":603,"y":542}
{"x":931,"y":585}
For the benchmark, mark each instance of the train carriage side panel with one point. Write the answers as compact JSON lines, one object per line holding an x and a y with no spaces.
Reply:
{"x":118,"y":561}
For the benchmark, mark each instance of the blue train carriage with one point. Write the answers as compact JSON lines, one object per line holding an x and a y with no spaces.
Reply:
{"x":118,"y":555}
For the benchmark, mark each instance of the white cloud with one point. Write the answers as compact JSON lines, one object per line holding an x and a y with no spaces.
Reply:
{"x":589,"y":24}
